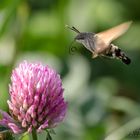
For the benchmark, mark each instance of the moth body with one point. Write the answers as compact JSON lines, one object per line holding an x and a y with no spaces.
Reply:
{"x":100,"y":44}
{"x":115,"y":52}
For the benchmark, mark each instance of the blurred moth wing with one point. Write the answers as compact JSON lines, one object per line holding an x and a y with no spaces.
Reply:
{"x":103,"y":39}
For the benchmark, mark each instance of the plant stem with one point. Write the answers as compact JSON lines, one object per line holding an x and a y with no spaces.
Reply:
{"x":34,"y":134}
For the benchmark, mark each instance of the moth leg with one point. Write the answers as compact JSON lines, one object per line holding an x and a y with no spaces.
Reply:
{"x":94,"y":55}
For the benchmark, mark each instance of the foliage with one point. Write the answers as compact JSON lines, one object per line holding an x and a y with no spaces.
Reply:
{"x":103,"y":94}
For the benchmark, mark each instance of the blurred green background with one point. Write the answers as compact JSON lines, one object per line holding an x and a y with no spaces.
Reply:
{"x":103,"y":94}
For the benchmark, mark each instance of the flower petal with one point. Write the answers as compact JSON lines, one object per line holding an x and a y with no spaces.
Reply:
{"x":15,"y":128}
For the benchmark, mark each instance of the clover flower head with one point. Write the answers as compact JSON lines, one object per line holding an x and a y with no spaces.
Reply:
{"x":36,"y":99}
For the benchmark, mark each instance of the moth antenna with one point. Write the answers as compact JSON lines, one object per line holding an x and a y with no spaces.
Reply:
{"x":73,"y":29}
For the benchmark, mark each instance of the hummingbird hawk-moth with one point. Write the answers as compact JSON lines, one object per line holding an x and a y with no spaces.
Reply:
{"x":100,"y":44}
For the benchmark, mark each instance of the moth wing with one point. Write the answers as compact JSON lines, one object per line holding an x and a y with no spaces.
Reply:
{"x":111,"y":34}
{"x":100,"y":45}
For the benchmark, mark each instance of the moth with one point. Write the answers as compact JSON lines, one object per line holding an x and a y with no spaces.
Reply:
{"x":100,"y":44}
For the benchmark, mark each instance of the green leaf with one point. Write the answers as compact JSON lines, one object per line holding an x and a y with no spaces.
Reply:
{"x":5,"y":134}
{"x":48,"y":136}
{"x":9,"y":136}
{"x":23,"y":136}
{"x":51,"y":131}
{"x":3,"y":129}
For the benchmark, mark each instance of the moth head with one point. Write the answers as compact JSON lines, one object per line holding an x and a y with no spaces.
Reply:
{"x":83,"y":37}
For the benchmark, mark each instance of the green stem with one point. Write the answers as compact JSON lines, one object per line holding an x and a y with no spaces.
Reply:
{"x":34,"y":134}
